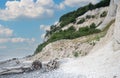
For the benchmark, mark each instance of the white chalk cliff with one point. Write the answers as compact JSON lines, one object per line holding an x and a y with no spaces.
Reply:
{"x":110,"y":16}
{"x":116,"y":44}
{"x":102,"y":60}
{"x":82,"y":45}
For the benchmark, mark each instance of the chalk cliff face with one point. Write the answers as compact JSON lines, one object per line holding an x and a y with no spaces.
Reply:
{"x":112,"y":9}
{"x":88,"y":44}
{"x":81,"y":46}
{"x":113,"y":13}
{"x":103,"y":53}
{"x":110,"y":16}
{"x":67,"y":48}
{"x":116,"y":44}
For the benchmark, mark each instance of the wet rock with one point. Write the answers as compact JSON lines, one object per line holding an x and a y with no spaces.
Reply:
{"x":36,"y":65}
{"x":28,"y":69}
{"x":114,"y":76}
{"x":17,"y":62}
{"x":53,"y":64}
{"x":14,"y":59}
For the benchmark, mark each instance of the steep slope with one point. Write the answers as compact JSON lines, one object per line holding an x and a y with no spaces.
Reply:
{"x":77,"y":23}
{"x":102,"y":61}
{"x":110,"y":16}
{"x":65,"y":48}
{"x":116,"y":44}
{"x":90,"y":17}
{"x":80,"y":46}
{"x":108,"y":37}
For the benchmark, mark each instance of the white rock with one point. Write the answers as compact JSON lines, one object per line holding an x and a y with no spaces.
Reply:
{"x":116,"y":44}
{"x":110,"y":16}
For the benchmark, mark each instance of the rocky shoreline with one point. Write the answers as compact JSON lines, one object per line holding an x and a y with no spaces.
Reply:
{"x":18,"y":66}
{"x":35,"y":69}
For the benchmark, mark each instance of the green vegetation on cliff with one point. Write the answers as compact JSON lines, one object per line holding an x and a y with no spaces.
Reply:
{"x":57,"y":34}
{"x":70,"y":33}
{"x":103,"y":14}
{"x":71,"y":17}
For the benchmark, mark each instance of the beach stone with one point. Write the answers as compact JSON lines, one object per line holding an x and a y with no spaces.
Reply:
{"x":53,"y":64}
{"x":36,"y":65}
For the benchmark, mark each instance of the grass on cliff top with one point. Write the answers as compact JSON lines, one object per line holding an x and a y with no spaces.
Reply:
{"x":70,"y":33}
{"x":71,"y":16}
{"x":101,"y":34}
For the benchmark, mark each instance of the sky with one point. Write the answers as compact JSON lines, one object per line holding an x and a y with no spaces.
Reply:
{"x":23,"y":23}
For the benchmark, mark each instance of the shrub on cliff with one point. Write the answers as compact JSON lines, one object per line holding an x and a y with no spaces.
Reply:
{"x":103,"y":14}
{"x":81,"y":21}
{"x":70,"y":33}
{"x":71,"y":16}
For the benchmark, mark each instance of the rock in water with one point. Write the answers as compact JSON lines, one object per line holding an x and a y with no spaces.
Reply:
{"x":53,"y":64}
{"x":110,"y":16}
{"x":36,"y":65}
{"x":116,"y":43}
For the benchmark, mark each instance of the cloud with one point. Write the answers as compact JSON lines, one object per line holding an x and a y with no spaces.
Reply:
{"x":3,"y":47}
{"x":19,"y":39}
{"x":7,"y":35}
{"x":4,"y":40}
{"x":43,"y":36}
{"x":27,"y":8}
{"x":16,"y":40}
{"x":56,"y":22}
{"x":25,"y":48}
{"x":76,"y":3}
{"x":4,"y":31}
{"x":37,"y":9}
{"x":45,"y":27}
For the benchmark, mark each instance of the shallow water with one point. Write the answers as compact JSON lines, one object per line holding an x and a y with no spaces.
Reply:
{"x":39,"y":74}
{"x":59,"y":73}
